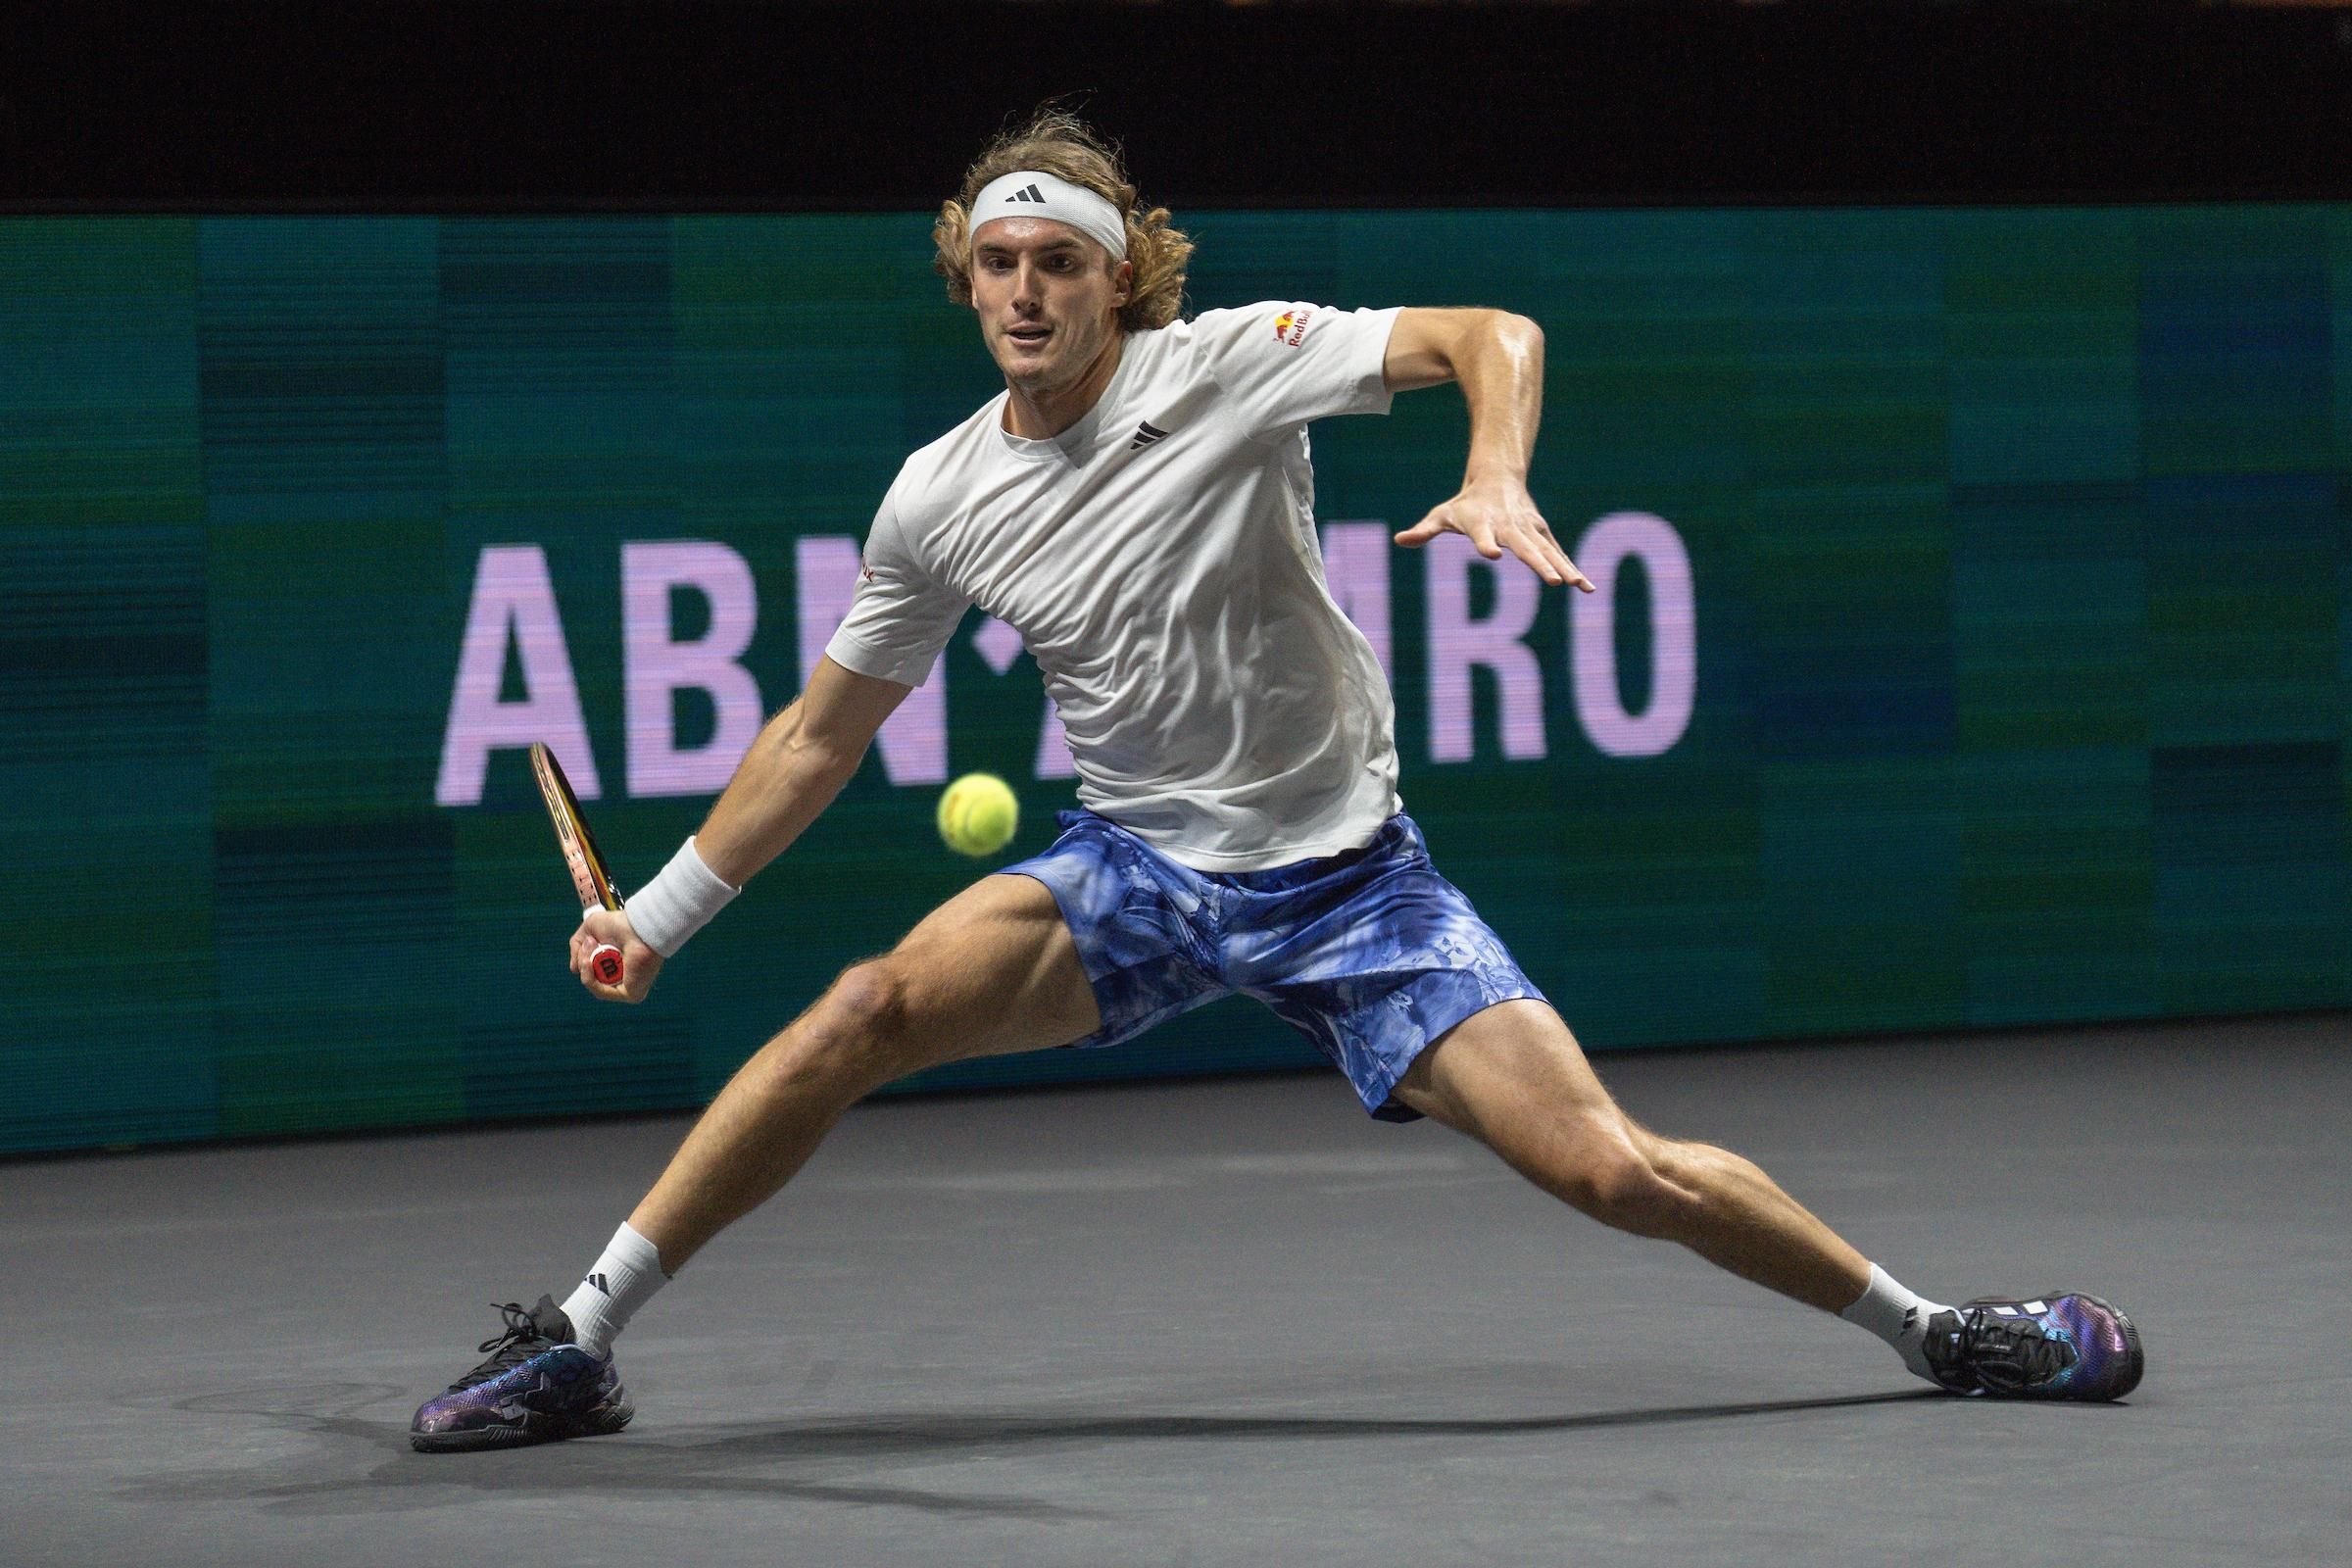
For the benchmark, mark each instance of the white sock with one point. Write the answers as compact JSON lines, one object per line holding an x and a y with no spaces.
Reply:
{"x":621,"y":1281}
{"x":1897,"y":1316}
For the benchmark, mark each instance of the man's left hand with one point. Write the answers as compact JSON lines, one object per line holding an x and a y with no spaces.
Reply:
{"x":1498,"y":515}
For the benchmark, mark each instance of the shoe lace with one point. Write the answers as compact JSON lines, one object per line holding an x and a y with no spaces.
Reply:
{"x":2014,"y":1352}
{"x":518,"y":1341}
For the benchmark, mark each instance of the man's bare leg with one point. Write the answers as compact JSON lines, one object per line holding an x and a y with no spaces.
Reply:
{"x":1514,"y":1078}
{"x":991,"y":970}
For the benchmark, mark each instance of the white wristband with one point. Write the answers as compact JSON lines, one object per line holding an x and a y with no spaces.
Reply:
{"x":678,"y":903}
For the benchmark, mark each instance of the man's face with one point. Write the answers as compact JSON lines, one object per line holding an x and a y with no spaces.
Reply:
{"x":1048,"y":300}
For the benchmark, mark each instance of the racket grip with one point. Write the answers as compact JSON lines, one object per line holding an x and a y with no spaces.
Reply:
{"x":605,"y":963}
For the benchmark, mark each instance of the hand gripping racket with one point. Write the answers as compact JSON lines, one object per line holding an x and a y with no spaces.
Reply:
{"x":589,"y":879}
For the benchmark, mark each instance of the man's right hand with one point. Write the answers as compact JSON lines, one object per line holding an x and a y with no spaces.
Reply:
{"x":639,"y":963}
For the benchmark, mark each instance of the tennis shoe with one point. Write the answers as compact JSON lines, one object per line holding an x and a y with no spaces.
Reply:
{"x":537,"y":1387}
{"x":2034,"y":1348}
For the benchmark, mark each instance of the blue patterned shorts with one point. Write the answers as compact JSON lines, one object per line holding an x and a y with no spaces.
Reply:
{"x":1371,"y":954}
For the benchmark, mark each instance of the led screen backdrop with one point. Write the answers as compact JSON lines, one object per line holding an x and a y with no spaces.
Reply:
{"x":1976,"y":647}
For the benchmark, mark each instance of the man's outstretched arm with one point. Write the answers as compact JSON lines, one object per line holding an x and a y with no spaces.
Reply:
{"x":1498,"y":359}
{"x":795,"y":768}
{"x":798,"y":761}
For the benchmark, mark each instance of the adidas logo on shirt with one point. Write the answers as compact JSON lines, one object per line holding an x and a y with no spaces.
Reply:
{"x":1147,"y":433}
{"x":1027,"y":193}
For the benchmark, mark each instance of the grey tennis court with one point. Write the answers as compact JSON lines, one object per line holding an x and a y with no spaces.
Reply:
{"x":1225,"y":1322}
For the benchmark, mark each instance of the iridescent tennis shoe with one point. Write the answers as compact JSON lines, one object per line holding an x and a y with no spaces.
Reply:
{"x":2035,"y":1348}
{"x":537,"y":1387}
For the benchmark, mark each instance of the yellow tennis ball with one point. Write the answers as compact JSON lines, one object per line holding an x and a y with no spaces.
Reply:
{"x":978,"y":814}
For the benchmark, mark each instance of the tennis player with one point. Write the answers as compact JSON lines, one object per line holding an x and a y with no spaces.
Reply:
{"x":1138,"y":504}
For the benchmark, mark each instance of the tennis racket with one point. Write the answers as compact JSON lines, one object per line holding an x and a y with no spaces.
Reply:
{"x":589,"y":879}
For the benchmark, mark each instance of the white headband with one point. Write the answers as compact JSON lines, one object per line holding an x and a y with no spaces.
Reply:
{"x":1031,"y":193}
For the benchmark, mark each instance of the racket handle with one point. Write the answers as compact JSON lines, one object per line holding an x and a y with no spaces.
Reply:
{"x":605,"y":963}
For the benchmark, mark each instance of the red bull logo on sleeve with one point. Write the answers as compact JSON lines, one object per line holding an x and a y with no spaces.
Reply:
{"x":1290,"y":328}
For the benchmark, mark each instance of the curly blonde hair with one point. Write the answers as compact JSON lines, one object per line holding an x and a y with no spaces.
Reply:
{"x":1058,"y":142}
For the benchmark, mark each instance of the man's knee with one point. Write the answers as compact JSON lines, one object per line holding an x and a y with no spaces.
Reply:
{"x":870,"y":1001}
{"x":1618,"y":1177}
{"x":858,"y":1034}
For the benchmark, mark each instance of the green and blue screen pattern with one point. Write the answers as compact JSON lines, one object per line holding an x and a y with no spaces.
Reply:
{"x":1976,"y":644}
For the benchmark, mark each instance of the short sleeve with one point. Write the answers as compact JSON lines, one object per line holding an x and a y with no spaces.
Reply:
{"x":1288,"y":363}
{"x":900,"y":619}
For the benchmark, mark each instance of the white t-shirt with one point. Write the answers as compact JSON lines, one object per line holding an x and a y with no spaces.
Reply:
{"x":1159,"y":560}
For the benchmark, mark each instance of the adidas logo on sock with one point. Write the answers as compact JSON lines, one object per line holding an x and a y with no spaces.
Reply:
{"x":1027,"y":193}
{"x":1147,"y":433}
{"x":598,"y":1280}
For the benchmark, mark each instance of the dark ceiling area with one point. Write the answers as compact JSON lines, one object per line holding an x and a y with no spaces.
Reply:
{"x":421,"y":105}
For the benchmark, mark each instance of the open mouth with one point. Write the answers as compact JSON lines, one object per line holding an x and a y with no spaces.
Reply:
{"x":1029,"y":336}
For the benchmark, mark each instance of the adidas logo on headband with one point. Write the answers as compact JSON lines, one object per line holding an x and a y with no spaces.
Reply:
{"x":1040,"y":194}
